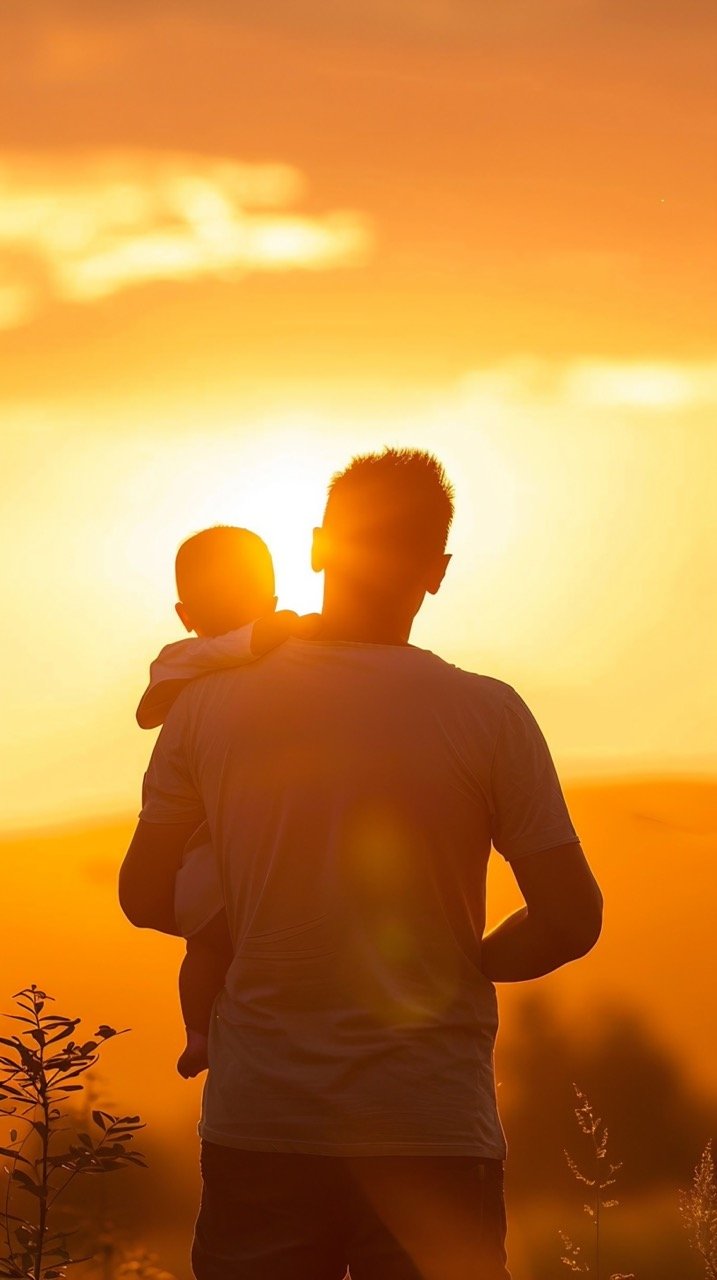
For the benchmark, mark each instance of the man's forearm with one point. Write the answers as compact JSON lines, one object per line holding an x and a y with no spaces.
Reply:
{"x":520,"y":948}
{"x":149,"y":910}
{"x":158,"y":916}
{"x":147,"y":875}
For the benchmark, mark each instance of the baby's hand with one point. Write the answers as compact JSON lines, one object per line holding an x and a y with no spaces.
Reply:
{"x":275,"y":628}
{"x":194,"y":1057}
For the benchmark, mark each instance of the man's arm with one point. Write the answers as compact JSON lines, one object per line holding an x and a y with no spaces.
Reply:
{"x":146,"y":878}
{"x":561,"y":919}
{"x":185,"y":660}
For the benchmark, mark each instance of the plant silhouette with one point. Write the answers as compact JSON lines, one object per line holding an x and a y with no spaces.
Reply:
{"x":698,"y":1207}
{"x":39,"y":1069}
{"x":658,"y":1116}
{"x":597,"y":1178}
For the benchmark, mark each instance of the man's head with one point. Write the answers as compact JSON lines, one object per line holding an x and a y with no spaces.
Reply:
{"x":385,"y":528}
{"x":225,"y":578}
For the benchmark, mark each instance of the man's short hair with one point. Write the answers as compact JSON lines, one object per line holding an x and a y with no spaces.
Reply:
{"x":225,"y":578}
{"x":400,"y":500}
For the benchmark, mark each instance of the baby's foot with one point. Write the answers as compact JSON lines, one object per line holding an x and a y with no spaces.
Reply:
{"x":194,"y":1056}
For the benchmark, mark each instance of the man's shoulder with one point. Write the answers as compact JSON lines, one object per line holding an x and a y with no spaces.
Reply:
{"x":471,"y":684}
{"x":279,"y":671}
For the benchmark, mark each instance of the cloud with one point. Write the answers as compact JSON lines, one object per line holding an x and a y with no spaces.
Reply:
{"x":663,"y":386}
{"x":654,"y":386}
{"x":81,"y":228}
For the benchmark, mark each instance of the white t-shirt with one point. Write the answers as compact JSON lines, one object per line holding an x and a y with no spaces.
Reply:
{"x":352,"y":793}
{"x":185,"y":660}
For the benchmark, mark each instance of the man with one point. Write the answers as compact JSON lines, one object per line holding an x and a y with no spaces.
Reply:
{"x":353,"y":785}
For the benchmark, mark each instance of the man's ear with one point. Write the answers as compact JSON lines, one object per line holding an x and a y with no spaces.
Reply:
{"x":183,"y":616}
{"x":318,"y":551}
{"x":436,"y":574}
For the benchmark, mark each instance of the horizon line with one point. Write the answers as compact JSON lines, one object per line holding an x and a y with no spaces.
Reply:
{"x":11,"y":830}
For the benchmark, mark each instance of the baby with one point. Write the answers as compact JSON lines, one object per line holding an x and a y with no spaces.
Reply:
{"x":225,"y":584}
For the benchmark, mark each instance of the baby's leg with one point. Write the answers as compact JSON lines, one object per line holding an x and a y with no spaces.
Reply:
{"x":201,"y":978}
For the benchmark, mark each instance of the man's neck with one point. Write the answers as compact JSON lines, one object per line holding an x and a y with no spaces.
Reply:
{"x":358,"y":626}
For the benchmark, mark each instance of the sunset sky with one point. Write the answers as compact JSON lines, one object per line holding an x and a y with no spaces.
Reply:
{"x":240,"y":242}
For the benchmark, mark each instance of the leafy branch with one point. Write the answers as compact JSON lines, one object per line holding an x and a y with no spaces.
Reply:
{"x":39,"y":1069}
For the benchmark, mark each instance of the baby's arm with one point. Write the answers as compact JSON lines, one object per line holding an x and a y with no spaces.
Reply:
{"x":196,"y":656}
{"x":185,"y":660}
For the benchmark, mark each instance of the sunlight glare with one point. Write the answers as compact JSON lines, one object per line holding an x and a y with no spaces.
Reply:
{"x":276,"y":488}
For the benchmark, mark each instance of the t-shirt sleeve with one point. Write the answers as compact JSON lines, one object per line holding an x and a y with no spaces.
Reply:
{"x":185,"y":660}
{"x":169,"y":790}
{"x":529,"y":812}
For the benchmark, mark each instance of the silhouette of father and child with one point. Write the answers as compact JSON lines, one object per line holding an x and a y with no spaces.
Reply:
{"x":317,"y":818}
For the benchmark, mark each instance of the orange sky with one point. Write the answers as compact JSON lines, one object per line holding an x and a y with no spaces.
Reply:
{"x":539,"y":174}
{"x":239,"y":243}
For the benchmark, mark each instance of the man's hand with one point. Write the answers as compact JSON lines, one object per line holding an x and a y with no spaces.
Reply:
{"x":274,"y":628}
{"x":561,"y":919}
{"x":146,"y":878}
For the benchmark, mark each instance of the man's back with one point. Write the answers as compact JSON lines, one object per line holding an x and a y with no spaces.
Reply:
{"x":352,"y":792}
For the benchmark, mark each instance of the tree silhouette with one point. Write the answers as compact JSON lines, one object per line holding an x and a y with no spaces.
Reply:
{"x":658,"y":1121}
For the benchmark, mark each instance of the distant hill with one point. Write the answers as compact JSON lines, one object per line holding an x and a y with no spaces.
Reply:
{"x":651,"y":841}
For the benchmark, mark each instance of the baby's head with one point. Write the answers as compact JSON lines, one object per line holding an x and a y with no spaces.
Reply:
{"x":225,"y":578}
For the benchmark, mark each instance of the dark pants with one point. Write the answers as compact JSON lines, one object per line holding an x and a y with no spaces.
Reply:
{"x":275,"y":1216}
